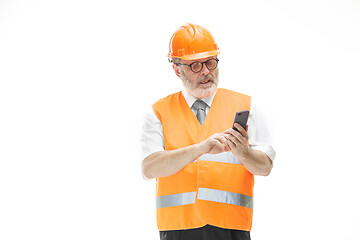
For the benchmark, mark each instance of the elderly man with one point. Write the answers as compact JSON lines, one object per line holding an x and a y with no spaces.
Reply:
{"x":204,"y":169}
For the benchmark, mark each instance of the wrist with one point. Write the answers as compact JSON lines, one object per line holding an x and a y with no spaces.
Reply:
{"x":245,"y":153}
{"x":202,"y":148}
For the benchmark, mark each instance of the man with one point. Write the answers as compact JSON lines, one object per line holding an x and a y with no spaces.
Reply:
{"x":204,"y":169}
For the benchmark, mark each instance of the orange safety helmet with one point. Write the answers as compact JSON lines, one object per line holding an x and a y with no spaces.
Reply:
{"x":192,"y":42}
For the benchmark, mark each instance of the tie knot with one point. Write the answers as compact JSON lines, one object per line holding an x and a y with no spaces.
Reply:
{"x":199,"y":104}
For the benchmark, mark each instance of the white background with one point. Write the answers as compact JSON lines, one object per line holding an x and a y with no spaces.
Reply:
{"x":77,"y":75}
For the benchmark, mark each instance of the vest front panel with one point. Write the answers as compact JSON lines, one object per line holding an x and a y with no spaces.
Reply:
{"x":215,"y":189}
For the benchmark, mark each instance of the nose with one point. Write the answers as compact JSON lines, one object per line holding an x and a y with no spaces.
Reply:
{"x":205,"y":70}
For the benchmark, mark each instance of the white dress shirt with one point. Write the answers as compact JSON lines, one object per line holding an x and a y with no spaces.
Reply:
{"x":152,"y":139}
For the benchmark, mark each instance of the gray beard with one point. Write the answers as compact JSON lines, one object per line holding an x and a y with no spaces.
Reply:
{"x":193,"y":88}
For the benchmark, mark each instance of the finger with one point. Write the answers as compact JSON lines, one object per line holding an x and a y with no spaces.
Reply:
{"x":224,"y":140}
{"x":241,"y":140}
{"x":236,"y":134}
{"x":231,"y":144}
{"x":223,"y":146}
{"x":240,"y":129}
{"x":234,"y":140}
{"x":220,"y":146}
{"x":221,"y":138}
{"x":243,"y":132}
{"x":227,"y":131}
{"x":226,"y":145}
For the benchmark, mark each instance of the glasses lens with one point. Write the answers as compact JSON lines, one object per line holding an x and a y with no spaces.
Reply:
{"x":211,"y":64}
{"x":196,"y":67}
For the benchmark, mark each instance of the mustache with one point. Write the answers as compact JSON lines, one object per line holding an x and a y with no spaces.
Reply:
{"x":206,"y":77}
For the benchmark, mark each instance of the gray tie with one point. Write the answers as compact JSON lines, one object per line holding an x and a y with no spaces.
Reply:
{"x":200,"y":107}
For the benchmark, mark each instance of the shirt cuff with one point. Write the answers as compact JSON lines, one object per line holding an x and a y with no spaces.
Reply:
{"x":268,"y":150}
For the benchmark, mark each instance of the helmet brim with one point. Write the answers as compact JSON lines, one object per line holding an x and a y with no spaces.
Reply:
{"x":198,"y":55}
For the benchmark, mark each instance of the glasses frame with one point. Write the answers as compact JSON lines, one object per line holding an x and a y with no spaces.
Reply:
{"x":202,"y":65}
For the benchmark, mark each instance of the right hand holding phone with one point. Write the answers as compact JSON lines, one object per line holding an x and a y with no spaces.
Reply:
{"x":237,"y":141}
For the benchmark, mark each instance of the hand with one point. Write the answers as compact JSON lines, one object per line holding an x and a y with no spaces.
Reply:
{"x":237,"y":141}
{"x":215,"y":144}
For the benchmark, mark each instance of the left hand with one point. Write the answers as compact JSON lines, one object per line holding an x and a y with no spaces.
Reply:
{"x":237,"y":141}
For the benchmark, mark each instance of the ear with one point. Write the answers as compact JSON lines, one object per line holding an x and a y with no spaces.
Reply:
{"x":176,"y":69}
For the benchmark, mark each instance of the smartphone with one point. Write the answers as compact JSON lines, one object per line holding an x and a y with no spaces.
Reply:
{"x":241,"y":118}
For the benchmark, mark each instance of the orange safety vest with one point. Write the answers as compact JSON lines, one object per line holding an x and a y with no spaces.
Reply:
{"x":215,"y":189}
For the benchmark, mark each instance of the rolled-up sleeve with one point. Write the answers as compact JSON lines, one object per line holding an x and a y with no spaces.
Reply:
{"x":152,"y":138}
{"x":259,"y":133}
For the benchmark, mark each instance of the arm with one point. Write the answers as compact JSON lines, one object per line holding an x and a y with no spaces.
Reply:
{"x":167,"y":163}
{"x":256,"y":162}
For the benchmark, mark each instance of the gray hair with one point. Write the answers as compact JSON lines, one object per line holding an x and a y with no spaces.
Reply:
{"x":175,"y":60}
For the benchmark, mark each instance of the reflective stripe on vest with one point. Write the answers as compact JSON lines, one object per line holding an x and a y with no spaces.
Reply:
{"x":225,"y":157}
{"x":225,"y":197}
{"x":207,"y":194}
{"x":178,"y":193}
{"x":175,"y":199}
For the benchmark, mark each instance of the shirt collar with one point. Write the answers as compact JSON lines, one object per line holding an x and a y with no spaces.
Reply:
{"x":190,"y":99}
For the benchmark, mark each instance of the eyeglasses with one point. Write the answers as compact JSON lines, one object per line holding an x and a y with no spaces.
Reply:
{"x":196,"y":67}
